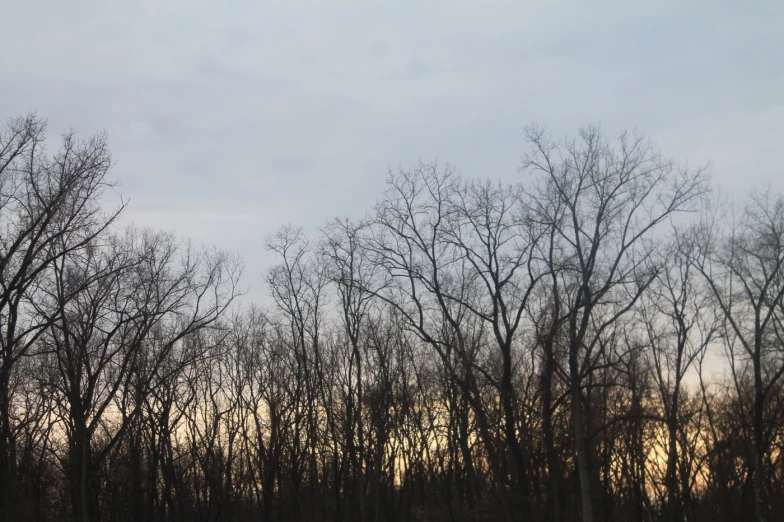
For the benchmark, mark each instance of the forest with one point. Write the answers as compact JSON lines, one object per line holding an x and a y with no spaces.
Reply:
{"x":601,"y":341}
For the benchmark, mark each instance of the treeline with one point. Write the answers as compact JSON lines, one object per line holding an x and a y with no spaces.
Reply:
{"x":596,"y":342}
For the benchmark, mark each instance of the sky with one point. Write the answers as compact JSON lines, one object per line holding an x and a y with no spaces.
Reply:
{"x":229,"y":119}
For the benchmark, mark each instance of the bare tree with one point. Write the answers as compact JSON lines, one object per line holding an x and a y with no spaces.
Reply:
{"x":605,"y":201}
{"x":135,"y":299}
{"x":298,"y":286}
{"x":743,"y":264}
{"x":680,"y":323}
{"x":468,"y":351}
{"x":425,"y":278}
{"x":352,"y":272}
{"x":491,"y":227}
{"x":49,"y":207}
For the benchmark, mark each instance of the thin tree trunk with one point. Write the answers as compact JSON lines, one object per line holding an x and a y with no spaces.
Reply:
{"x":583,"y":464}
{"x":759,"y":443}
{"x":6,"y":460}
{"x":553,"y":471}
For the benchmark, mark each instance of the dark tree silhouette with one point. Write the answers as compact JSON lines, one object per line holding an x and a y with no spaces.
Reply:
{"x":547,"y":351}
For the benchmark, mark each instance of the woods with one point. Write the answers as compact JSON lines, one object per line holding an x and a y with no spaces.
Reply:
{"x":599,"y":341}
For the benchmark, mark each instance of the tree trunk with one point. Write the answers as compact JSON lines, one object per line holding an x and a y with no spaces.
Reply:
{"x":510,"y":432}
{"x":79,"y":474}
{"x":578,"y":419}
{"x":759,"y":442}
{"x":553,"y":471}
{"x":6,"y":451}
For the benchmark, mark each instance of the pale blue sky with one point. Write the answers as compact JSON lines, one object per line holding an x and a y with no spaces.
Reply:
{"x":227,"y":122}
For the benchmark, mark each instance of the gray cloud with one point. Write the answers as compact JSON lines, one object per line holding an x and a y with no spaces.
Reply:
{"x":226,"y":122}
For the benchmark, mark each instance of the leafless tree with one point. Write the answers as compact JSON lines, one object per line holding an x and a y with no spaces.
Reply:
{"x":135,"y":298}
{"x":680,"y":323}
{"x":543,"y":351}
{"x":605,"y":201}
{"x":743,"y":264}
{"x":49,"y":207}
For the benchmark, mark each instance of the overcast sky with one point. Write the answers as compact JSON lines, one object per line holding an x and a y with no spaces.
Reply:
{"x":227,"y":122}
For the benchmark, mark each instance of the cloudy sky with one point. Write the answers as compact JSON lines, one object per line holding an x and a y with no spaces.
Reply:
{"x":229,"y":119}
